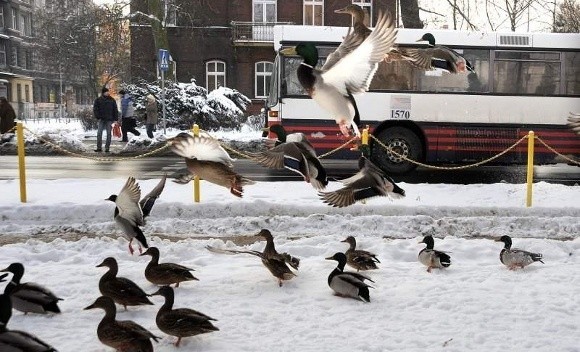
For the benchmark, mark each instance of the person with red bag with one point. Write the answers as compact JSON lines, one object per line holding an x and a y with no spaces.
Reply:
{"x":105,"y":111}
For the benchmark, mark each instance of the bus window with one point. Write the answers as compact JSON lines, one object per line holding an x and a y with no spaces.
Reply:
{"x":290,"y":84}
{"x":572,"y":75}
{"x":527,"y":72}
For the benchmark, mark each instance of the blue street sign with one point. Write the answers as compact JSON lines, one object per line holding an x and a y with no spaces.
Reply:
{"x":163,"y":59}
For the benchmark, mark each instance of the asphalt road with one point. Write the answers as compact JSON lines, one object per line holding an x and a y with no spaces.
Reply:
{"x":56,"y":167}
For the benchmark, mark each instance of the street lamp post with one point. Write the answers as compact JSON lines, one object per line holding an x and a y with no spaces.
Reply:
{"x":60,"y":112}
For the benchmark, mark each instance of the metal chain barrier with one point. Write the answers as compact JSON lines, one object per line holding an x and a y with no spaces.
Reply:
{"x":556,"y":152}
{"x":79,"y":155}
{"x":479,"y":163}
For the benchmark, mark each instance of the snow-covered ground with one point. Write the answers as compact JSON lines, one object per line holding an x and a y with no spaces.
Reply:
{"x":66,"y":229}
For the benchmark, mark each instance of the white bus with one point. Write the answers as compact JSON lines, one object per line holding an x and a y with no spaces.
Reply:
{"x":521,"y":82}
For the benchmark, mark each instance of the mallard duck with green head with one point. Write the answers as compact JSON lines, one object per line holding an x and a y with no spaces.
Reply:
{"x":368,"y":183}
{"x":348,"y":284}
{"x":358,"y":258}
{"x":121,"y":290}
{"x":165,"y":273}
{"x":348,"y":70}
{"x":15,"y":340}
{"x":515,"y":258}
{"x":295,"y":154}
{"x":438,"y":56}
{"x":432,"y":258}
{"x":278,"y":264}
{"x":206,"y":158}
{"x":29,"y":297}
{"x":122,"y":335}
{"x":181,"y":322}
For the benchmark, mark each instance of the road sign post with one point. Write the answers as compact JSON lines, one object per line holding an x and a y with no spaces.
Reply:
{"x":163,"y":62}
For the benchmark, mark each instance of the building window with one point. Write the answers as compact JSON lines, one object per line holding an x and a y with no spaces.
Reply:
{"x":27,"y":93}
{"x":314,"y":12}
{"x":2,"y":54}
{"x":171,"y":15}
{"x":367,"y":6}
{"x":14,"y":56}
{"x":14,"y":19}
{"x":264,"y":11}
{"x":263,"y":78}
{"x":1,"y":17}
{"x":215,"y":74}
{"x":25,"y":25}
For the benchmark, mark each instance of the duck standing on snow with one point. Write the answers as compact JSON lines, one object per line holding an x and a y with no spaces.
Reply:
{"x":359,"y":259}
{"x":181,"y":322}
{"x":122,"y":335}
{"x":348,"y":284}
{"x":206,"y":158}
{"x":438,"y":56}
{"x":348,"y":70}
{"x":29,"y":297}
{"x":432,"y":258}
{"x":276,"y":263}
{"x":165,"y":273}
{"x":123,"y":291}
{"x":130,"y":212}
{"x":297,"y":155}
{"x":516,"y":258}
{"x":14,"y":340}
{"x":369,"y":182}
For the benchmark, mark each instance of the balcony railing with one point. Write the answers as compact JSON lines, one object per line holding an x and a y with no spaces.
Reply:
{"x":254,"y":33}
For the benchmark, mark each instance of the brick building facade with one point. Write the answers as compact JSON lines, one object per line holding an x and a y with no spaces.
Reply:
{"x":230,"y":42}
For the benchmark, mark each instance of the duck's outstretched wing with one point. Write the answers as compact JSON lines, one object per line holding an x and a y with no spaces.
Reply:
{"x":200,"y":148}
{"x":128,"y":202}
{"x":350,"y":42}
{"x":233,"y":251}
{"x":147,"y":202}
{"x":574,"y":122}
{"x":354,"y":72}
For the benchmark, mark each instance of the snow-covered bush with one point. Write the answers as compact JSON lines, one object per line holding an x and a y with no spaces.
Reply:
{"x":87,"y":119}
{"x":188,"y":103}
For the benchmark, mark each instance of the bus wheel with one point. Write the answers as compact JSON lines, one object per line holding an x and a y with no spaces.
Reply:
{"x":404,"y":142}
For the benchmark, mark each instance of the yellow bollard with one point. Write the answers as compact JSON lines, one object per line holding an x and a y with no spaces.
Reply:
{"x":196,"y":195}
{"x":530,"y":170}
{"x":21,"y":166}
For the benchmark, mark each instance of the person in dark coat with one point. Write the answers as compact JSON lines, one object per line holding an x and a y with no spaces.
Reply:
{"x":7,"y":115}
{"x":152,"y":114}
{"x":128,"y":121}
{"x":105,"y":111}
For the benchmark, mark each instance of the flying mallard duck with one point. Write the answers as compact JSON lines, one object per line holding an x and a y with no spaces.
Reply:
{"x":347,"y":71}
{"x":516,"y":258}
{"x":14,"y":340}
{"x":348,"y":284}
{"x":123,"y":291}
{"x":29,"y":297}
{"x":432,"y":258}
{"x":276,"y":262}
{"x":369,"y":182}
{"x":295,"y":154}
{"x":165,"y":273}
{"x":181,"y":322}
{"x":359,"y":259}
{"x":574,"y":122}
{"x":122,"y":335}
{"x":438,"y":56}
{"x":130,"y":212}
{"x":206,"y":158}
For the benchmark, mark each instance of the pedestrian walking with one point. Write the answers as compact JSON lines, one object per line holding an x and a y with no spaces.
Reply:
{"x":128,"y":121}
{"x":7,"y":115}
{"x":105,"y":111}
{"x":152,"y":115}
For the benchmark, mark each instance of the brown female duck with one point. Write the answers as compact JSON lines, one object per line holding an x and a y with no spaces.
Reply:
{"x":29,"y":297}
{"x":165,"y":273}
{"x":276,"y":262}
{"x":121,"y":290}
{"x":181,"y":322}
{"x":359,"y":259}
{"x":122,"y":335}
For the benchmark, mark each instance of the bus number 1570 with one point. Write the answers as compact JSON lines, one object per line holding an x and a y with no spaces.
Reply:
{"x":400,"y":114}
